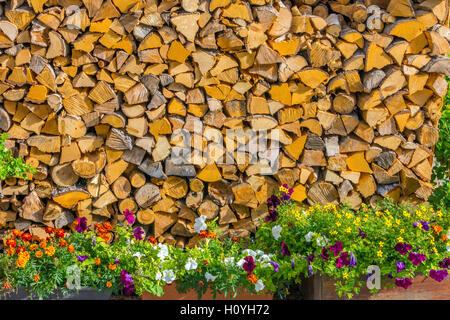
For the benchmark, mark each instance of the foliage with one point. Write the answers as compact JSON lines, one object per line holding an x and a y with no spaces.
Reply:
{"x":10,"y":166}
{"x":341,"y":243}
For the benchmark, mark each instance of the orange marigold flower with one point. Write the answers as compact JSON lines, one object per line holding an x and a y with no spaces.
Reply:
{"x":112,"y":266}
{"x":11,"y":243}
{"x":26,"y":237}
{"x":101,"y":229}
{"x":107,"y":225}
{"x":211,"y":235}
{"x":50,"y":251}
{"x":7,"y":286}
{"x":437,"y":229}
{"x":203,"y":234}
{"x":97,"y":261}
{"x":11,"y":251}
{"x":444,"y":237}
{"x":60,"y":233}
{"x":152,"y":239}
{"x":38,"y":254}
{"x":36,"y":277}
{"x":22,"y":259}
{"x":71,"y":248}
{"x":108,"y":284}
{"x":252,"y":278}
{"x":43,"y":244}
{"x":62,"y":243}
{"x":49,"y":230}
{"x":33,"y":247}
{"x":16,"y":233}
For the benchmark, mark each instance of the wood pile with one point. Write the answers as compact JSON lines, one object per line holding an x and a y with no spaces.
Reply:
{"x":93,"y":93}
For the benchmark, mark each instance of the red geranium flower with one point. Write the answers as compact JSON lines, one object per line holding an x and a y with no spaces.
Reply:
{"x":49,"y":230}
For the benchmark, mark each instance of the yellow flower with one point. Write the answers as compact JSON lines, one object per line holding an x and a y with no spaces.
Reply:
{"x":365,"y":219}
{"x":348,"y":215}
{"x":381,"y":244}
{"x":333,"y":232}
{"x":406,"y":214}
{"x":348,"y":230}
{"x":435,"y":250}
{"x":439,"y":213}
{"x":345,"y":275}
{"x":419,"y":225}
{"x":397,"y":221}
{"x":338,"y":224}
{"x":400,"y":239}
{"x":380,"y":253}
{"x":388,"y":223}
{"x":402,"y":231}
{"x":339,"y":216}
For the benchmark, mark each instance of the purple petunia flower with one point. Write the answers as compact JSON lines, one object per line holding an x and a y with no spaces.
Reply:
{"x":310,"y":270}
{"x":272,"y":216}
{"x":81,"y":225}
{"x":293,"y":263}
{"x":273,"y":201}
{"x":416,"y":258}
{"x":324,"y":254}
{"x":425,"y":225}
{"x":249,"y":264}
{"x":310,"y":258}
{"x":285,"y":250}
{"x":362,"y":234}
{"x":336,"y":248}
{"x":127,"y":282}
{"x":275,"y":266}
{"x":81,"y":258}
{"x":342,"y":260}
{"x":94,"y":242}
{"x":129,"y":216}
{"x":445,"y":264}
{"x":138,"y":233}
{"x":438,"y":275}
{"x":403,"y":247}
{"x":400,"y":266}
{"x":403,"y":282}
{"x":353,"y":263}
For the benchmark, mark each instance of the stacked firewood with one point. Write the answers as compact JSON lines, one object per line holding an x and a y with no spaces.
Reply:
{"x":95,"y":95}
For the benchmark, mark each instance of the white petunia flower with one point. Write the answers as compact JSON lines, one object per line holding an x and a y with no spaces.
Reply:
{"x":191,"y":264}
{"x":138,"y":255}
{"x":259,"y":252}
{"x":163,"y":251}
{"x":276,"y":232}
{"x":200,"y":224}
{"x":264,"y":259}
{"x":309,"y":236}
{"x":158,"y":276}
{"x":322,"y":241}
{"x":259,"y":285}
{"x":229,"y":261}
{"x":210,"y":277}
{"x":168,"y":276}
{"x":250,"y":252}
{"x":240,"y":262}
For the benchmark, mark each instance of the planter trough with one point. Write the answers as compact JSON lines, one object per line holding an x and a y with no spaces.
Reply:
{"x":322,"y":288}
{"x":171,"y":293}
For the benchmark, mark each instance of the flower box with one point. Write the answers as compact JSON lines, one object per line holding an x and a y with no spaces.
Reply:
{"x":320,"y":287}
{"x":84,"y":293}
{"x":171,"y":293}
